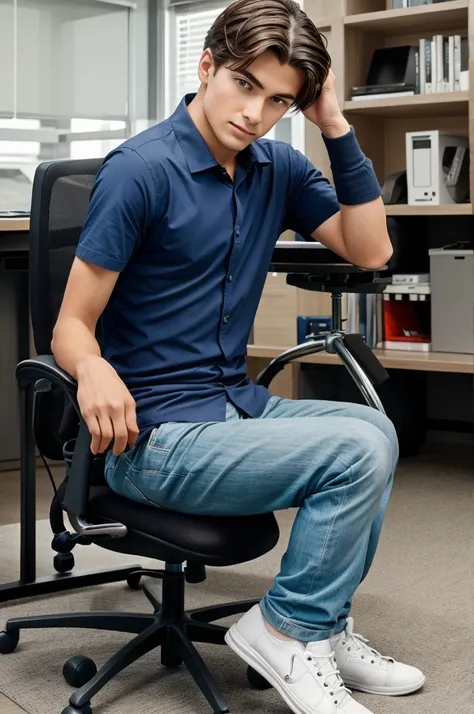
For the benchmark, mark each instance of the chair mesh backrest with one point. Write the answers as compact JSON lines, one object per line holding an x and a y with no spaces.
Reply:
{"x":60,"y":201}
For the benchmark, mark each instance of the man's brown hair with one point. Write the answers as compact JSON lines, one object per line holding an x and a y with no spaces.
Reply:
{"x":247,"y":28}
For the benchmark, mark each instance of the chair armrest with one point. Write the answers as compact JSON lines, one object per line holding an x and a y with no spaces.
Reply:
{"x":45,"y":367}
{"x":76,"y":496}
{"x":362,"y":364}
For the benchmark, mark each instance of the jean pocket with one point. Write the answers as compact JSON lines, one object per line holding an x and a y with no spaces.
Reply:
{"x":163,"y":437}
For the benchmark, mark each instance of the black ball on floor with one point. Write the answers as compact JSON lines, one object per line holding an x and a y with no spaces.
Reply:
{"x":9,"y":641}
{"x":63,"y":562}
{"x":256,"y":679}
{"x":78,"y":670}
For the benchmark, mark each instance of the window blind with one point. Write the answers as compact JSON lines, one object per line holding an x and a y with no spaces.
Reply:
{"x":190,"y":21}
{"x":191,"y":30}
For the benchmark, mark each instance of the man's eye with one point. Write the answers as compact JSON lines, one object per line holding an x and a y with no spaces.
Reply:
{"x":242,"y":82}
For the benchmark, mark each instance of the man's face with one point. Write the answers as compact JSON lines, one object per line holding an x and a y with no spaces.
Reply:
{"x":243,"y":106}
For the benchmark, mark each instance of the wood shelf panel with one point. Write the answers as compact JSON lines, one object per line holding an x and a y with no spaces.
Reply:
{"x":391,"y":359}
{"x":420,"y":105}
{"x":424,"y":19}
{"x":458,"y":209}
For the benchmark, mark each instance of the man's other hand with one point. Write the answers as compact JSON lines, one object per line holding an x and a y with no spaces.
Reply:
{"x":106,"y":405}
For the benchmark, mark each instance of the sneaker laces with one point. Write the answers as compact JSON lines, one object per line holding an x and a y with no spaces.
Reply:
{"x":330,"y":679}
{"x":360,"y":643}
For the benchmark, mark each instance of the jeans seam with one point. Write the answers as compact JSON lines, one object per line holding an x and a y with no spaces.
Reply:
{"x":148,"y":500}
{"x":293,"y":629}
{"x":323,"y":551}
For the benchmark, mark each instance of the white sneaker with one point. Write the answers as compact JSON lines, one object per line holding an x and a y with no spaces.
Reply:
{"x":306,"y":677}
{"x":366,"y":670}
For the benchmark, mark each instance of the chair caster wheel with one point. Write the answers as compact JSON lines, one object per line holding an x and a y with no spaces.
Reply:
{"x":133,"y":580}
{"x":79,"y":670}
{"x":9,"y":641}
{"x":86,"y":709}
{"x":256,"y":679}
{"x":63,"y":562}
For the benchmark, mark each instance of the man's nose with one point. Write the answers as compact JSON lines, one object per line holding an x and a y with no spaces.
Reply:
{"x":253,"y":111}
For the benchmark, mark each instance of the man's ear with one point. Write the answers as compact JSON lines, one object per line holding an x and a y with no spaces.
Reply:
{"x":206,"y":65}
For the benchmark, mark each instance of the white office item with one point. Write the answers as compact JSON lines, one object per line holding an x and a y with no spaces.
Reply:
{"x":383,"y":95}
{"x":410,"y":278}
{"x":435,"y":163}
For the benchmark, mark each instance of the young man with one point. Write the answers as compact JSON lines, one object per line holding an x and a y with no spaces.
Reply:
{"x":182,"y":224}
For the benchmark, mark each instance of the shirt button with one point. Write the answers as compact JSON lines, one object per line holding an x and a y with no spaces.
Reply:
{"x":237,"y":230}
{"x":230,"y":278}
{"x":226,"y":319}
{"x":220,"y":384}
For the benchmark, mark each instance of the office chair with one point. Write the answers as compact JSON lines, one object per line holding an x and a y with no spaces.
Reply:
{"x":185,"y":543}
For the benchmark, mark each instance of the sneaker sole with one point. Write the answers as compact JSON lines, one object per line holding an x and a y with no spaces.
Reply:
{"x":387,"y":691}
{"x":241,"y":647}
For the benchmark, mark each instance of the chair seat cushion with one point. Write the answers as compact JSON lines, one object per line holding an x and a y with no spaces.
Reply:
{"x":175,"y":537}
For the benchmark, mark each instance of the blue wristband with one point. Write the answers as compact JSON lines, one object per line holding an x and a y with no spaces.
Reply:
{"x":354,"y":177}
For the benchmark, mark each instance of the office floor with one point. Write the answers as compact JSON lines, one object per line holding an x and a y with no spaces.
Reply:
{"x":413,"y":605}
{"x":10,"y":513}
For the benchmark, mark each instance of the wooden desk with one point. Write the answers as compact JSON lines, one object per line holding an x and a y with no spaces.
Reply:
{"x":14,"y":235}
{"x":14,"y":225}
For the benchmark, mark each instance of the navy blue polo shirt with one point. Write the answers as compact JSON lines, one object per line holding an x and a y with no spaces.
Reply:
{"x":193,"y":249}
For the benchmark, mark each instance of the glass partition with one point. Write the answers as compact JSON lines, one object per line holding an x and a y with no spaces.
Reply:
{"x":72,"y":59}
{"x":7,"y":54}
{"x":65,"y":85}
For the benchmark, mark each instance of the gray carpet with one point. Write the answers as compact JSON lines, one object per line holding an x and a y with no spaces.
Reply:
{"x":416,"y":605}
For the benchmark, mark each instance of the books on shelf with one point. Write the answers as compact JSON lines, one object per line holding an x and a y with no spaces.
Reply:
{"x":437,"y":64}
{"x":443,"y":64}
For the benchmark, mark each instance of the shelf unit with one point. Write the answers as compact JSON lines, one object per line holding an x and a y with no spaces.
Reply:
{"x":448,"y":15}
{"x":354,"y":29}
{"x":447,"y":104}
{"x":457,"y":209}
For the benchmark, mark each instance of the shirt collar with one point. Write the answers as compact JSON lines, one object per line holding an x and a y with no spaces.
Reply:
{"x":195,"y":149}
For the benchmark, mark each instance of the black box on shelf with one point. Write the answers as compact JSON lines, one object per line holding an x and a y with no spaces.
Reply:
{"x":392,"y":71}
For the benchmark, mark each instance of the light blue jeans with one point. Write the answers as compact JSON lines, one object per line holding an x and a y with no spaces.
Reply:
{"x":333,"y":461}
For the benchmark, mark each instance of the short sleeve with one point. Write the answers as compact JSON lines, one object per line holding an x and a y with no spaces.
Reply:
{"x":121,"y":207}
{"x":312,"y":199}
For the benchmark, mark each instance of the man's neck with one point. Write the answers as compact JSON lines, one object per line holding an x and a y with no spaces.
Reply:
{"x":225,"y":157}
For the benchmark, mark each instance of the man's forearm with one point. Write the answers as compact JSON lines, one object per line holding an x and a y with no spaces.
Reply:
{"x":72,"y":344}
{"x":364,"y":222}
{"x":364,"y":228}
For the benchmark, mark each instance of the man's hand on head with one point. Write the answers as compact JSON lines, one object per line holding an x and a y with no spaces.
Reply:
{"x":326,"y":112}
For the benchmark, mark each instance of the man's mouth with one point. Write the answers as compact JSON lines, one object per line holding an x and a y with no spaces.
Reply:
{"x":241,"y":128}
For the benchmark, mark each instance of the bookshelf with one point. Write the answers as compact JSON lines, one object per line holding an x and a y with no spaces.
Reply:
{"x":354,"y":29}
